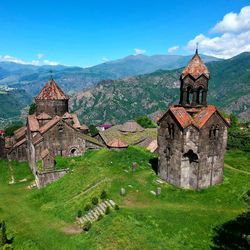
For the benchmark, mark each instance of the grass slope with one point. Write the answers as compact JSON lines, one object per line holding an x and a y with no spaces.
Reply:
{"x":178,"y":219}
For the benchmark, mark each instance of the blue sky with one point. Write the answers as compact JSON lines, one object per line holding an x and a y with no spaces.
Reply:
{"x":86,"y":33}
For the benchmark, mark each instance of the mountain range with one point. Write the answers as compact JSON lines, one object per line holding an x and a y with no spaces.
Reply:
{"x":119,"y":100}
{"x":140,"y":85}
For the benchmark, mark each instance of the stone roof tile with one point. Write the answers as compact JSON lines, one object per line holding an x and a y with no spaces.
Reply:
{"x":51,"y":91}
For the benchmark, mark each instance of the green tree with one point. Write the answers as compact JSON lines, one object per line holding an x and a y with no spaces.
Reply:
{"x":145,"y":122}
{"x":12,"y":128}
{"x":93,"y":130}
{"x":32,"y":108}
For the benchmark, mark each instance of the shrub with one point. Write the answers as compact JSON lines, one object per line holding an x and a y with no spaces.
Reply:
{"x":107,"y":210}
{"x":87,"y":226}
{"x":93,"y":130}
{"x":145,"y":122}
{"x":87,"y":207}
{"x":117,"y":207}
{"x":7,"y":247}
{"x":103,"y":195}
{"x":100,"y":217}
{"x":95,"y":201}
{"x":32,"y":108}
{"x":3,"y":234}
{"x":79,"y":213}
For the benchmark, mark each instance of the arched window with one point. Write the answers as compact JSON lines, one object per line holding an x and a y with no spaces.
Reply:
{"x":168,"y":131}
{"x":189,"y":95}
{"x":214,"y":132}
{"x":172,"y":131}
{"x":199,"y":95}
{"x":167,"y":153}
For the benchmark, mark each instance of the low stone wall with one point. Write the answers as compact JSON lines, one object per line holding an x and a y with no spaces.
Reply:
{"x":45,"y":178}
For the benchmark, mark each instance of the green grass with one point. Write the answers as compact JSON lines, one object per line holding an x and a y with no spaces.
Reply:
{"x":238,"y":159}
{"x":178,"y":219}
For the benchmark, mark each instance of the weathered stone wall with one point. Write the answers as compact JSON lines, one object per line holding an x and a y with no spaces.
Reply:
{"x":61,"y":140}
{"x":91,"y":145}
{"x":193,"y":158}
{"x":52,"y":107}
{"x":2,"y":148}
{"x":18,"y":153}
{"x":43,"y":179}
{"x":170,"y":151}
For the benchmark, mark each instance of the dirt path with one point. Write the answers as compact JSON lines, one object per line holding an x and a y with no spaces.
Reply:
{"x":12,"y":181}
{"x":237,"y":170}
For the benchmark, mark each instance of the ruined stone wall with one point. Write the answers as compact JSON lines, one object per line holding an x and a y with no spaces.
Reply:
{"x":52,"y":107}
{"x":170,"y":151}
{"x":18,"y":153}
{"x":2,"y":148}
{"x":43,"y":179}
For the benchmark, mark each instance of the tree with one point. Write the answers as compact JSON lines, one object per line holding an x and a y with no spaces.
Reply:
{"x":145,"y":122}
{"x":93,"y":130}
{"x":103,"y":195}
{"x":32,"y":108}
{"x":12,"y":128}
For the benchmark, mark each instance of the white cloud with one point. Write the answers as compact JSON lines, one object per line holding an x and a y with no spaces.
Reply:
{"x":233,"y":22}
{"x":139,"y":51}
{"x":48,"y":62}
{"x":173,"y":49}
{"x":36,"y":62}
{"x":40,"y":55}
{"x":8,"y":58}
{"x":104,"y":59}
{"x":234,"y":37}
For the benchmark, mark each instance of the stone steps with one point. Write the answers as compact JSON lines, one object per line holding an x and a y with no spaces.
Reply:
{"x":94,"y":213}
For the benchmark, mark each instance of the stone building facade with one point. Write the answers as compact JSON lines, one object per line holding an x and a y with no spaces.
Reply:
{"x":50,"y":131}
{"x":192,"y":136}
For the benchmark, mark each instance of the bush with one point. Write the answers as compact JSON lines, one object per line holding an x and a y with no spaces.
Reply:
{"x":145,"y":122}
{"x":87,"y":207}
{"x":79,"y":213}
{"x":93,"y":130}
{"x":100,"y":217}
{"x":107,"y":210}
{"x":95,"y":201}
{"x":12,"y":128}
{"x":117,"y":207}
{"x":7,"y":247}
{"x":3,"y":234}
{"x":103,"y":195}
{"x":32,"y":109}
{"x":87,"y":226}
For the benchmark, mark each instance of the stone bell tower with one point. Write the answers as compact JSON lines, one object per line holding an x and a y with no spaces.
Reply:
{"x":192,"y":136}
{"x":194,"y":83}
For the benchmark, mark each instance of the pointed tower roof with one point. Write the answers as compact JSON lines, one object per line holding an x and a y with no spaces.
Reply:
{"x":51,"y":91}
{"x":195,"y":68}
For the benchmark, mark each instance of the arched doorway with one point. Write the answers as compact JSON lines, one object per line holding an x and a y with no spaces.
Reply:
{"x":190,"y":169}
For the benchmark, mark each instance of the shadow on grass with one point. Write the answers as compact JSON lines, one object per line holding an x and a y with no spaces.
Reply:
{"x":234,"y":234}
{"x":154,"y":163}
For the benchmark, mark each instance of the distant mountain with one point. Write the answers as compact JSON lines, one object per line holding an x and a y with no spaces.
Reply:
{"x":31,"y":78}
{"x":120,"y":100}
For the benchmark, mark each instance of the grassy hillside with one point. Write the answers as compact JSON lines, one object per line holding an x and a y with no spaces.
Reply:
{"x":178,"y":219}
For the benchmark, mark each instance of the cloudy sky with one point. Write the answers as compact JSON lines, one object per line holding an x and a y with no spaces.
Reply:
{"x":85,"y":33}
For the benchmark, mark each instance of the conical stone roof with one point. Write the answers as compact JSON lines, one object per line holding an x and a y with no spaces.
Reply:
{"x":51,"y":91}
{"x":196,"y":68}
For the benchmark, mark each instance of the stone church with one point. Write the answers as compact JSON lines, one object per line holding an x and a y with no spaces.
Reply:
{"x":192,"y":136}
{"x":50,"y":131}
